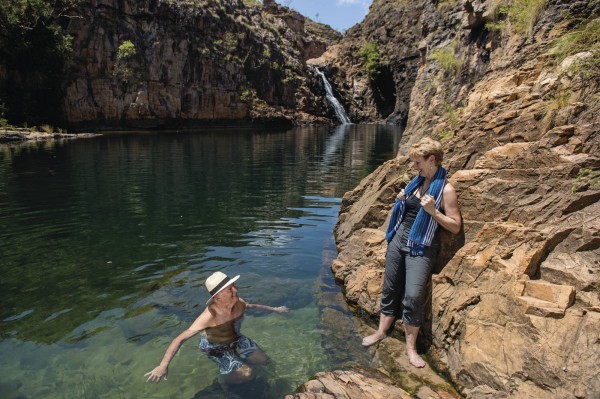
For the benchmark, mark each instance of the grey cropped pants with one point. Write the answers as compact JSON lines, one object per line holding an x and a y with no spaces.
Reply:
{"x":405,"y":282}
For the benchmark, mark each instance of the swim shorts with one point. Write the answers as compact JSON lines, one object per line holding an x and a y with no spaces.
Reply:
{"x":229,"y":357}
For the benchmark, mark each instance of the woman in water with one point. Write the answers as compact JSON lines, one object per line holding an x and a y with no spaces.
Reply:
{"x":221,"y":339}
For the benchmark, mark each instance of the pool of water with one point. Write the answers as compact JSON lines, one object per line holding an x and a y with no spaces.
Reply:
{"x":105,"y":244}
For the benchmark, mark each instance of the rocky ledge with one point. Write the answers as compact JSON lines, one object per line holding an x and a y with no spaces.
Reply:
{"x":359,"y":383}
{"x":11,"y":135}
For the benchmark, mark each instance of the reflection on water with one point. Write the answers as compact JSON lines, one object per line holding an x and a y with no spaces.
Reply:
{"x":106,"y":242}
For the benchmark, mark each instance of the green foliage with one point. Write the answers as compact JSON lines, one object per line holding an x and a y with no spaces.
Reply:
{"x":523,"y":14}
{"x":369,"y":52}
{"x":588,"y":68}
{"x":266,"y":53}
{"x":497,"y":23}
{"x":585,"y":38}
{"x":446,"y":59}
{"x":123,"y":68}
{"x":230,"y":42}
{"x":586,"y":178}
{"x":495,"y":26}
{"x":33,"y":48}
{"x":446,"y":134}
{"x":24,"y":21}
{"x":247,"y":95}
{"x":560,"y":99}
{"x":452,"y":115}
{"x":126,"y":50}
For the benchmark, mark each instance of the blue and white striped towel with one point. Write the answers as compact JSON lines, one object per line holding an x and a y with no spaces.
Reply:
{"x":423,"y":229}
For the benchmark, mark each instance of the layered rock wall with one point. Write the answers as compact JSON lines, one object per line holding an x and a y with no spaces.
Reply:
{"x":515,"y":311}
{"x":192,"y":62}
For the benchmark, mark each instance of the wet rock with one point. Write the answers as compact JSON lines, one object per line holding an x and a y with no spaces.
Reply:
{"x":357,"y":384}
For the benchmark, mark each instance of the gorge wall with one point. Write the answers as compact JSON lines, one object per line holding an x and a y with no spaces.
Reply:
{"x":516,"y":309}
{"x":173,"y":62}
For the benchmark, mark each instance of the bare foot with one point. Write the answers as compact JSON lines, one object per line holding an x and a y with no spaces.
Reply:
{"x":372,"y":339}
{"x":415,"y":359}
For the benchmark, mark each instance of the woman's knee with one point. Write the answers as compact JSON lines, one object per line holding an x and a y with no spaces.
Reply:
{"x":413,"y":311}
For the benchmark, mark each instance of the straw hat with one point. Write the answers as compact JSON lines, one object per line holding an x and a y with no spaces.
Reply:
{"x":217,"y":282}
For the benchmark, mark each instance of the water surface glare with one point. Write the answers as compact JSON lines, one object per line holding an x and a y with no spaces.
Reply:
{"x":105,"y":244}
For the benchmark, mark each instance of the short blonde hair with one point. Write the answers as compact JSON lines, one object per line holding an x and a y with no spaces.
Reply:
{"x":426,"y":147}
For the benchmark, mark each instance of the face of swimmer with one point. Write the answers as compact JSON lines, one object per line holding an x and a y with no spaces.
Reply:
{"x":229,"y":294}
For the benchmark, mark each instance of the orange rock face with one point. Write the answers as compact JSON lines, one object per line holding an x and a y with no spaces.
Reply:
{"x":515,"y":310}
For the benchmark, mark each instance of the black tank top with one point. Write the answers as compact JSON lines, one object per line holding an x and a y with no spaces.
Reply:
{"x":413,"y":205}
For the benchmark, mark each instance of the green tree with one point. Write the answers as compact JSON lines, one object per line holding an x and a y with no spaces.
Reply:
{"x":126,"y":50}
{"x":369,"y":52}
{"x":33,"y":48}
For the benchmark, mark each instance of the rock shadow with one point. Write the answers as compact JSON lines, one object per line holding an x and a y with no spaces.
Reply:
{"x":449,"y":245}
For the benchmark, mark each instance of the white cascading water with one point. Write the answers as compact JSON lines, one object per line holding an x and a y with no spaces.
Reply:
{"x":339,"y":110}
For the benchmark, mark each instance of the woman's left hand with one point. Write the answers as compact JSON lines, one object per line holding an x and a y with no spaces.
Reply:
{"x":428,"y":204}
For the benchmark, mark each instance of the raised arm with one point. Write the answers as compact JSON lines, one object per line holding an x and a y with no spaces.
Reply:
{"x":279,"y":309}
{"x":451,"y":219}
{"x":160,"y":372}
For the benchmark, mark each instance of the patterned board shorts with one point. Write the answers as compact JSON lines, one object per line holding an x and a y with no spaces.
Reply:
{"x":229,"y":357}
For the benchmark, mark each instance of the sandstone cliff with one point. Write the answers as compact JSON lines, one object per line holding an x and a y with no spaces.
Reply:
{"x":171,"y":62}
{"x":515,"y":311}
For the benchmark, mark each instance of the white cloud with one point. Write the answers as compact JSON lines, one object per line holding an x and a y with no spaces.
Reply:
{"x":364,"y":3}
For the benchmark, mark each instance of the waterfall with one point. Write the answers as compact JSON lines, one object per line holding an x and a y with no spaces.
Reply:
{"x":339,"y":110}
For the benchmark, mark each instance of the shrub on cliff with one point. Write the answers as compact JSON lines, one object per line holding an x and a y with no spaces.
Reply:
{"x":522,"y":15}
{"x":126,"y":50}
{"x":447,"y":60}
{"x":584,"y":39}
{"x":369,"y":52}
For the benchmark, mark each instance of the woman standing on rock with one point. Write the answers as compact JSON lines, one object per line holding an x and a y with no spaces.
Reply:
{"x":426,"y":202}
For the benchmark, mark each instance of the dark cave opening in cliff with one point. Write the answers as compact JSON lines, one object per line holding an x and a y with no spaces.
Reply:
{"x":384,"y":92}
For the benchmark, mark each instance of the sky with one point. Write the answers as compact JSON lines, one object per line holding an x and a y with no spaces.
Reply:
{"x":339,"y":14}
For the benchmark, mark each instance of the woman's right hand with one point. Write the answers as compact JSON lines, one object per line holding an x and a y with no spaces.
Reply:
{"x":400,"y":195}
{"x":159,"y":373}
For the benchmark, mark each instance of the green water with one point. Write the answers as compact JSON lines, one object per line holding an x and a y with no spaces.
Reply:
{"x":105,"y":244}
